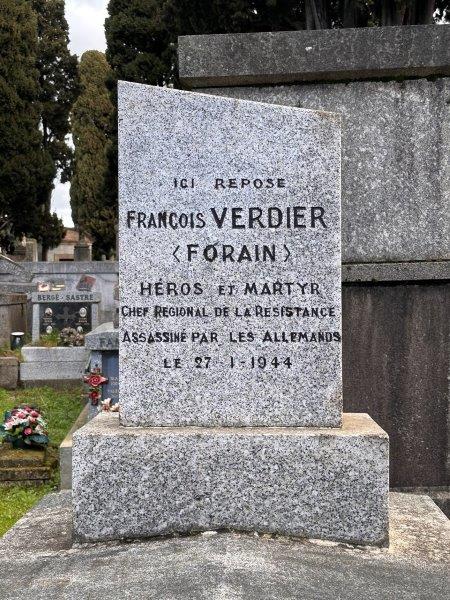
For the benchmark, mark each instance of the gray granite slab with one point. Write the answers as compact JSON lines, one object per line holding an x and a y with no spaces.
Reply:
{"x":405,"y":271}
{"x":41,"y":364}
{"x":329,"y":54}
{"x":395,"y":136}
{"x":242,"y":270}
{"x":61,"y":354}
{"x":51,"y":371}
{"x":103,"y":337}
{"x":231,"y":566}
{"x":308,"y":482}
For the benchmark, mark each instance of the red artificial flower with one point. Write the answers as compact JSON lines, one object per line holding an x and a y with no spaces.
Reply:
{"x":94,"y":380}
{"x":34,"y":414}
{"x":27,"y":431}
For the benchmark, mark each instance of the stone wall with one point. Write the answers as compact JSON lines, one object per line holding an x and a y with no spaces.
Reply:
{"x":395,"y":134}
{"x":13,"y":315}
{"x":391,"y":86}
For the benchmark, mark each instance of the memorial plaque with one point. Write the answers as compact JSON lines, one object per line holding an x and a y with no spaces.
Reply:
{"x":58,"y":315}
{"x":230,"y":282}
{"x":55,"y":310}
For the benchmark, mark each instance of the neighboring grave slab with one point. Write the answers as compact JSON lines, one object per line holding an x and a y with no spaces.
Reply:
{"x":230,"y":283}
{"x":56,"y":310}
{"x":103,"y":343}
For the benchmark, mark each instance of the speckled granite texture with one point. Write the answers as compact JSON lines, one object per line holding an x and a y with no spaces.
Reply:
{"x":313,"y":55}
{"x":166,"y":134}
{"x":395,"y":136}
{"x":321,"y":483}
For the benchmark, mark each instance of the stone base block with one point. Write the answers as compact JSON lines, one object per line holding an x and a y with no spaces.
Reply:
{"x":309,"y":482}
{"x":44,"y":366}
{"x":9,"y":372}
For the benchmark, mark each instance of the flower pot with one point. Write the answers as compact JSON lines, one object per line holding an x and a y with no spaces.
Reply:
{"x":19,"y":444}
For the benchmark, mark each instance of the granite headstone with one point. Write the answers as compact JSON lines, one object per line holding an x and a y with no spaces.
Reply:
{"x":229,"y":347}
{"x":230,"y":261}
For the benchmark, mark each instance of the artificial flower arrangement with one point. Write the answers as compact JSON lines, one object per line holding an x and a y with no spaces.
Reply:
{"x":106,"y":405}
{"x":71,"y":337}
{"x":24,"y":426}
{"x":94,"y":380}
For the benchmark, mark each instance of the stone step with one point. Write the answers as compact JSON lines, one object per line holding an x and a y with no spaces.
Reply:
{"x":26,"y":465}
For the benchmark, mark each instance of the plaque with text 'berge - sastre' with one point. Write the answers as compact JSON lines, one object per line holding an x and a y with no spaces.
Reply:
{"x":230,"y":284}
{"x":56,"y":316}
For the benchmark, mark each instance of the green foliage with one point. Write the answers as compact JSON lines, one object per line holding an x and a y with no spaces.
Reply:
{"x":61,"y":409}
{"x":37,"y":87}
{"x":48,"y":340}
{"x":25,"y":169}
{"x":58,"y":81}
{"x":58,"y":87}
{"x":91,"y":123}
{"x":17,"y":500}
{"x":142,"y":34}
{"x":5,"y":352}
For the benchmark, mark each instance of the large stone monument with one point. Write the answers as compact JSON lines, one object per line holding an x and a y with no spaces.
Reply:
{"x":230,"y":338}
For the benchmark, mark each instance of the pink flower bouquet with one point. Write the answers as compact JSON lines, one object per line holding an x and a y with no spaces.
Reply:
{"x":24,"y":426}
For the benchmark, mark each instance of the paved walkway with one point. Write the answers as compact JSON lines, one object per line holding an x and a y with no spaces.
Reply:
{"x":37,"y":561}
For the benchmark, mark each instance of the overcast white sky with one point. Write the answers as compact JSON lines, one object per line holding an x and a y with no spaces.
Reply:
{"x":86,"y":19}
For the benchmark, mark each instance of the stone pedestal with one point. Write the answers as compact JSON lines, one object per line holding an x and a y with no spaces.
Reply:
{"x":310,"y":482}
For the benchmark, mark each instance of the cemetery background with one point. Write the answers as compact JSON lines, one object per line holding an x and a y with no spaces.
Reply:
{"x":389,"y":284}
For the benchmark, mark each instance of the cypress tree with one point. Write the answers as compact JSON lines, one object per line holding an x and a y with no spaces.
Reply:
{"x":58,"y":87}
{"x":25,"y":168}
{"x":91,"y":116}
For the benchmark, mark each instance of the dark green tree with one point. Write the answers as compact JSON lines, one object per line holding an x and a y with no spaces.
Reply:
{"x":25,"y":167}
{"x":58,"y":87}
{"x":91,"y":118}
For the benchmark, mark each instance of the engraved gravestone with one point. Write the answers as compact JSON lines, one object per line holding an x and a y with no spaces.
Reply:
{"x":230,"y":284}
{"x":103,"y":344}
{"x":230,"y":333}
